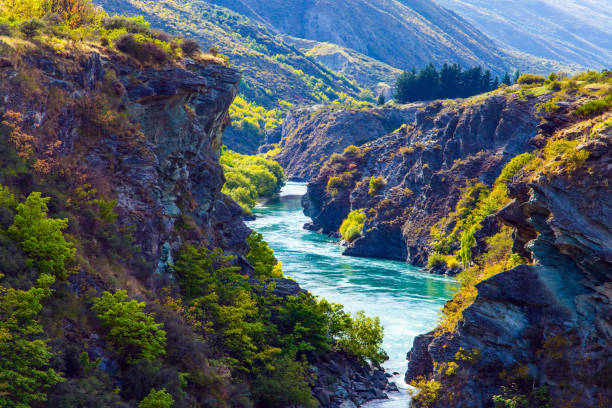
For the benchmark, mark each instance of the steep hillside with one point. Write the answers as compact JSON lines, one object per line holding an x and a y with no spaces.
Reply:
{"x":309,"y":136}
{"x":574,"y":32}
{"x":409,"y":180}
{"x":272,"y":69}
{"x":531,"y":324}
{"x":402,"y":34}
{"x":128,"y":279}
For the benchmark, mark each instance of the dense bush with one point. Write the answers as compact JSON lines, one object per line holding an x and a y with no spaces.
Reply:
{"x":530,"y":79}
{"x":352,"y":225}
{"x":157,"y":399}
{"x":376,"y":185}
{"x":24,"y":373}
{"x":262,"y":258}
{"x":250,"y":177}
{"x":190,"y":47}
{"x":595,"y":107}
{"x":132,"y":332}
{"x":41,"y":237}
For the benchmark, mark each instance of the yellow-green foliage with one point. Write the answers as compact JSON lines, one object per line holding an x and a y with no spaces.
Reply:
{"x":530,"y":79}
{"x":59,"y":24}
{"x":132,"y":332}
{"x":476,"y":202}
{"x":157,"y":399}
{"x":376,"y":185}
{"x":595,"y":107}
{"x":340,"y":182}
{"x":24,"y":373}
{"x":563,"y":156}
{"x":251,"y":118}
{"x":352,"y":225}
{"x":498,"y":258}
{"x":41,"y":237}
{"x":427,"y":393}
{"x":436,"y":259}
{"x":250,"y":177}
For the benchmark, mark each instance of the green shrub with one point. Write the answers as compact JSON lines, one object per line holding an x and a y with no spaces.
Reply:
{"x":352,"y":225}
{"x":41,"y":237}
{"x":132,"y":24}
{"x":530,"y":79}
{"x":363,"y":337}
{"x":157,"y":399}
{"x":30,"y":28}
{"x":132,"y":332}
{"x":436,"y":260}
{"x":283,"y":383}
{"x":376,"y":185}
{"x":595,"y":107}
{"x":24,"y":373}
{"x":250,"y":177}
{"x":262,"y":257}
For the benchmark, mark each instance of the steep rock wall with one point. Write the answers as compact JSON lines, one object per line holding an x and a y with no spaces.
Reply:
{"x":547,"y":324}
{"x":424,"y":166}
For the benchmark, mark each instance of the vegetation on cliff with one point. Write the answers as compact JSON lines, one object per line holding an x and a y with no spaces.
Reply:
{"x":248,"y":178}
{"x":562,"y":158}
{"x":91,"y":316}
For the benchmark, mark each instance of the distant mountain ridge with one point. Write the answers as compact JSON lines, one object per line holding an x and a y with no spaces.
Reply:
{"x":402,"y":33}
{"x":570,"y":31}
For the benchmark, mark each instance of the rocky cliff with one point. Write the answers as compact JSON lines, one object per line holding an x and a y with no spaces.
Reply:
{"x":309,"y":136}
{"x":128,"y":153}
{"x":423,"y":168}
{"x":539,"y":334}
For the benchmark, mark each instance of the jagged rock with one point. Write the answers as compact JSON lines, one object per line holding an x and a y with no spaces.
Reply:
{"x":310,"y":135}
{"x":551,"y":318}
{"x":425,"y":165}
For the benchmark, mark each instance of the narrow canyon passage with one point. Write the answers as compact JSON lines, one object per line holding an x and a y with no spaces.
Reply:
{"x":406,"y":299}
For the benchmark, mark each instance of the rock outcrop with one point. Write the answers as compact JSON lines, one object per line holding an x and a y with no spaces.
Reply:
{"x":541,"y":331}
{"x":309,"y":136}
{"x":423,"y":168}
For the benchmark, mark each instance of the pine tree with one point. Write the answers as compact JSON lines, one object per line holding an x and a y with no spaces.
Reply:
{"x":506,"y":80}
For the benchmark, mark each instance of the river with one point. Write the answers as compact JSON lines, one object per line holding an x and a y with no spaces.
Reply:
{"x":406,"y":299}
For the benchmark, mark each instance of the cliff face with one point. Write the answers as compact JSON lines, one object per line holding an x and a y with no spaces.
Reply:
{"x":165,"y":164}
{"x":423,"y":167}
{"x":309,"y":136}
{"x":540,"y":328}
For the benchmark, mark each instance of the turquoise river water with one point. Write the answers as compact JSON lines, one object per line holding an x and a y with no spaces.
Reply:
{"x":406,"y":299}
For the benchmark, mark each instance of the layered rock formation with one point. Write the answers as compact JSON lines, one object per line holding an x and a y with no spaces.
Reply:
{"x":543,"y":331}
{"x":309,"y":136}
{"x":422,"y":168}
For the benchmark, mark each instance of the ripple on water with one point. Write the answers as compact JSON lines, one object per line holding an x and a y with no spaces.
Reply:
{"x":406,"y":299}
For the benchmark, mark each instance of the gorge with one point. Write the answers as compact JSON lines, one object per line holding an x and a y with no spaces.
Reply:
{"x":244,"y":211}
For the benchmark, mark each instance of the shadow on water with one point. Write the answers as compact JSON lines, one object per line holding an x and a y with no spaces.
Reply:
{"x":406,"y":299}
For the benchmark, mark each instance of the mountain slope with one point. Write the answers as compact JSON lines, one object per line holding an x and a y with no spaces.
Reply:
{"x":272,"y":69}
{"x":566,"y":30}
{"x":400,"y":33}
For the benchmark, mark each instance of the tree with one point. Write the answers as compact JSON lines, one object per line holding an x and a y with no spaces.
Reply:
{"x":262,"y":257}
{"x":41,"y":237}
{"x":131,"y":331}
{"x":381,"y":100}
{"x":24,"y":376}
{"x":405,"y":87}
{"x":157,"y":399}
{"x":363,"y":338}
{"x":506,"y":80}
